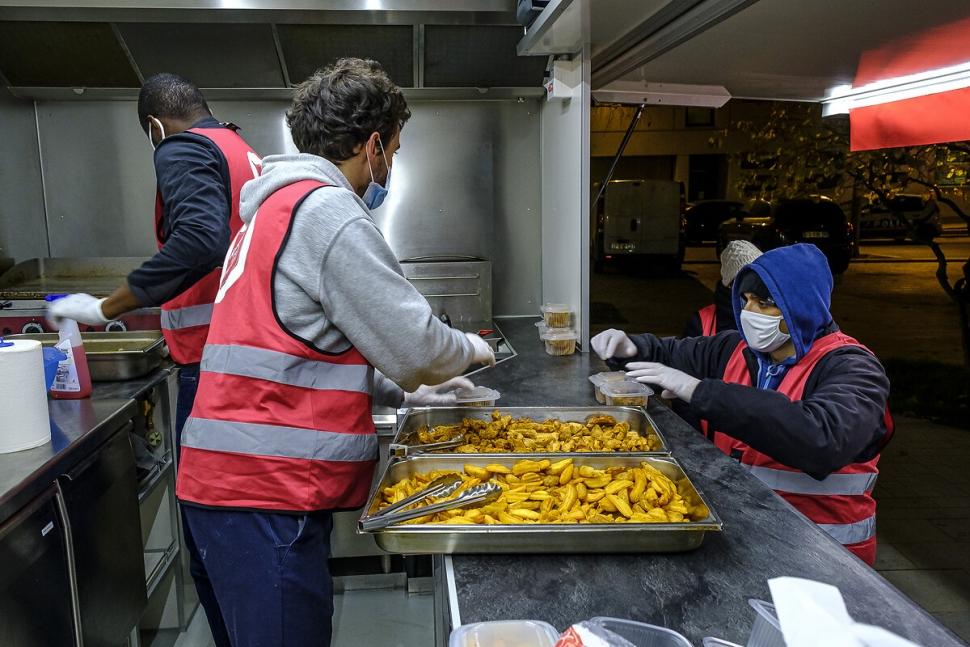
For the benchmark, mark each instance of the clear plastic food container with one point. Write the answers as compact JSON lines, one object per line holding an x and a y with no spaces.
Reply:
{"x":560,"y":342}
{"x":557,"y":315}
{"x":766,"y":631}
{"x":641,"y":634}
{"x":480,"y":396}
{"x":598,"y":379}
{"x":510,"y":633}
{"x":626,"y":394}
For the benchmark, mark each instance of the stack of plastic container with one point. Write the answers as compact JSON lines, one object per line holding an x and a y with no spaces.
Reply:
{"x":615,"y":389}
{"x":555,"y":329}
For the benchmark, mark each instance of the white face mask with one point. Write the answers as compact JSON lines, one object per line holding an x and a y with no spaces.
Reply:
{"x":762,"y":332}
{"x":161,"y":129}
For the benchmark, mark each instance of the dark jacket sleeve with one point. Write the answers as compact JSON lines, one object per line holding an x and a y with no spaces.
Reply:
{"x":693,"y":326}
{"x":838,"y":421}
{"x":193,"y":178}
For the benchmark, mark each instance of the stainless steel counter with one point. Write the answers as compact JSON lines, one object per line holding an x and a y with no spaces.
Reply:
{"x":77,"y":428}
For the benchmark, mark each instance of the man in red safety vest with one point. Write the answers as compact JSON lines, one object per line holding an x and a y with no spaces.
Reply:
{"x":200,"y":165}
{"x":798,"y":403}
{"x":313,"y":322}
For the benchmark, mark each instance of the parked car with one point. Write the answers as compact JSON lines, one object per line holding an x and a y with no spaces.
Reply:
{"x":881,"y":220}
{"x":640,"y":221}
{"x":814,"y":219}
{"x":702,"y":219}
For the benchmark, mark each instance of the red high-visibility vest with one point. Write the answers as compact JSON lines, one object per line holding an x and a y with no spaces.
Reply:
{"x":708,"y":316}
{"x":842,"y":502}
{"x":185,"y":319}
{"x":278,"y":424}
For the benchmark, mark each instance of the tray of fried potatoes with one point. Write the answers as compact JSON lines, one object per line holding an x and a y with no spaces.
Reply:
{"x":551,"y":503}
{"x":530,"y":430}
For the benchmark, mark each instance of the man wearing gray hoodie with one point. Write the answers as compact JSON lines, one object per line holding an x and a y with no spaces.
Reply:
{"x":313,"y":322}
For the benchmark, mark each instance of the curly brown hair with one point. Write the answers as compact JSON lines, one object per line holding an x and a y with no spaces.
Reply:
{"x":338,"y":108}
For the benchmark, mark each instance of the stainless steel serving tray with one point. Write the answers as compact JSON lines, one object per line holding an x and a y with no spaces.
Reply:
{"x":537,"y":538}
{"x":405,"y":442}
{"x":114,"y":356}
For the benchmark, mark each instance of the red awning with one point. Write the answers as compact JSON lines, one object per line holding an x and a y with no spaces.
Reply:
{"x":930,"y":119}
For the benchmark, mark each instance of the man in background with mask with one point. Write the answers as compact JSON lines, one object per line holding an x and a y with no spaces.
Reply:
{"x":313,"y":322}
{"x":200,"y":168}
{"x":793,"y":399}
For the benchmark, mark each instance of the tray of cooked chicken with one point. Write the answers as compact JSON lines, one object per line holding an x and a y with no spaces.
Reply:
{"x":528,"y":430}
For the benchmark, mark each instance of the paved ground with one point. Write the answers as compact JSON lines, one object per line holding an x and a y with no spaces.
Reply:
{"x":891,"y":301}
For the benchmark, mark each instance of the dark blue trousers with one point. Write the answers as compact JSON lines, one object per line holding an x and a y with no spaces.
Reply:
{"x":269,"y":574}
{"x":188,"y":385}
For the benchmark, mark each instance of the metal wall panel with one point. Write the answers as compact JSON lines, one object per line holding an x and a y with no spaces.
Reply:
{"x":23,"y":231}
{"x":466,"y":182}
{"x":565,"y":204}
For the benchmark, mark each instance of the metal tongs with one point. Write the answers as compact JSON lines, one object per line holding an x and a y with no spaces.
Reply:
{"x":404,"y":449}
{"x":440,"y":487}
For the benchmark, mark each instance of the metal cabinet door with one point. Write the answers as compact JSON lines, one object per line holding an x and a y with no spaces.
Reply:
{"x":35,"y":589}
{"x":101,"y":496}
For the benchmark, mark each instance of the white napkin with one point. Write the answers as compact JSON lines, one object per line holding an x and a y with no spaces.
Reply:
{"x":812,"y":614}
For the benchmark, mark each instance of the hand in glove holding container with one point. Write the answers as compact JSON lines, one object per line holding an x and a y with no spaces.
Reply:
{"x":675,"y":384}
{"x":82,"y":308}
{"x":613,"y":343}
{"x":440,"y":395}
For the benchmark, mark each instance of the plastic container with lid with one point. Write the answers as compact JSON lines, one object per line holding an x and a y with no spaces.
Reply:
{"x":480,"y":396}
{"x":560,"y":342}
{"x":626,"y":394}
{"x":641,"y":634}
{"x":766,"y":631}
{"x":73,"y":379}
{"x":598,"y":379}
{"x":557,"y":315}
{"x":528,"y":633}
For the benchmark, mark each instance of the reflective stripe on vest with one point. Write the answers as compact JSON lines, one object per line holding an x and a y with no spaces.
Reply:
{"x":708,"y":317}
{"x":851,"y":533}
{"x":265,"y":364}
{"x":187,"y":317}
{"x":802,"y":483}
{"x":272,"y":440}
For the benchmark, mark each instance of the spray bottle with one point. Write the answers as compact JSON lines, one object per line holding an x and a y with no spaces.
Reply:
{"x":73,"y":379}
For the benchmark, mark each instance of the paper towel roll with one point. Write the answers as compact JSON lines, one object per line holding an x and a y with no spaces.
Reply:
{"x":24,"y":418}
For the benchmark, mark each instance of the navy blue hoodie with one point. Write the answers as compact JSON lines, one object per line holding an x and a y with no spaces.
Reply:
{"x":840,"y":417}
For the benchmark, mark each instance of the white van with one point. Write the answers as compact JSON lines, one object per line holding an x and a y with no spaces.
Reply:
{"x":640,"y":221}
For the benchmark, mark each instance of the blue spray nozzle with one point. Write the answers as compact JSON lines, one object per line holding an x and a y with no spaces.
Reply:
{"x":4,"y":343}
{"x":54,"y":297}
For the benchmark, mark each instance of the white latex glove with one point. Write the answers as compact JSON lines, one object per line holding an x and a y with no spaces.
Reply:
{"x":82,"y":308}
{"x":675,"y":384}
{"x":437,"y":396}
{"x":613,"y":343}
{"x":483,"y":352}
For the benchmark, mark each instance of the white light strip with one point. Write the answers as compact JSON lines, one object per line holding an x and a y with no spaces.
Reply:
{"x":842,"y":99}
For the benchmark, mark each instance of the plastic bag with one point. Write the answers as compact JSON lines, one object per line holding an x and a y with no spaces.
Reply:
{"x":589,"y":634}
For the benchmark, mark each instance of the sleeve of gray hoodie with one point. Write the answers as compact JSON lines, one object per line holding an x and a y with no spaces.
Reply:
{"x":387,"y":393}
{"x":364,"y":294}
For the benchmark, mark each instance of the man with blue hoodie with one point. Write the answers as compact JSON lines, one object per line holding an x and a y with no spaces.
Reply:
{"x":797,"y":402}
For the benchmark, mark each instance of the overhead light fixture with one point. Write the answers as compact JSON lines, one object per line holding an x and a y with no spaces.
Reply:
{"x":841,"y":99}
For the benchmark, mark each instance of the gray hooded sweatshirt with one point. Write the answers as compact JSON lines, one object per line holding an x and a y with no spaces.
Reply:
{"x":339,"y":285}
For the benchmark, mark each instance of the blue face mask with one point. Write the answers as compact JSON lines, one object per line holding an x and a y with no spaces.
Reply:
{"x":375,"y":193}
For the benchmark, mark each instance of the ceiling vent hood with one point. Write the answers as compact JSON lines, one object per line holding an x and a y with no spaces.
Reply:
{"x":258,"y":49}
